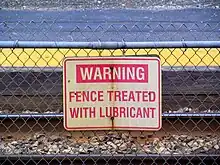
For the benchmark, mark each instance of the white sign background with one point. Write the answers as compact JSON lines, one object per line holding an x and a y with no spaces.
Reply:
{"x":105,"y":123}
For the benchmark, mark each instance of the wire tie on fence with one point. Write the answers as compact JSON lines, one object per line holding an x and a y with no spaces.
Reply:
{"x":16,"y":43}
{"x":100,"y":43}
{"x":56,"y":44}
{"x":184,"y":44}
{"x":123,"y":44}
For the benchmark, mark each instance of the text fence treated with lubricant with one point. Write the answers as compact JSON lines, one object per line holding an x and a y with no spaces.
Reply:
{"x":112,"y":93}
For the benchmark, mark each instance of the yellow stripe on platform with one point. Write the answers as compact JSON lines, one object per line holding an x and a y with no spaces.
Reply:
{"x":53,"y":57}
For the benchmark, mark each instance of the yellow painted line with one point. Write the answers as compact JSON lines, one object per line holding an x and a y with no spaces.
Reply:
{"x":53,"y":57}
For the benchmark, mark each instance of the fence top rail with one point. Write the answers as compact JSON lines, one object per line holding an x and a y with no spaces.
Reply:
{"x":110,"y":45}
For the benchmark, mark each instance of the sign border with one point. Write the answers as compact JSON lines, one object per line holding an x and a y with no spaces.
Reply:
{"x":139,"y":57}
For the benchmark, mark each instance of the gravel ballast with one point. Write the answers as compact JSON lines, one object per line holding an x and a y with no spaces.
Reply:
{"x":111,"y":143}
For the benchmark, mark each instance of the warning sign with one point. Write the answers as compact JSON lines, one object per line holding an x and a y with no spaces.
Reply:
{"x":121,"y":93}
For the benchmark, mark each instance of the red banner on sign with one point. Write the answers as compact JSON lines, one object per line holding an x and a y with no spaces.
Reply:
{"x":99,"y":73}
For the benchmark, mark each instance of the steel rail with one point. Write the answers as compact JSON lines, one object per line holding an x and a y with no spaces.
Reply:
{"x":117,"y":156}
{"x":60,"y":115}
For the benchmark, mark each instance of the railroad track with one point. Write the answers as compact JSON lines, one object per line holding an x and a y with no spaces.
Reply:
{"x":189,"y":134}
{"x":38,"y":138}
{"x":39,"y":90}
{"x":31,"y":120}
{"x":16,"y":129}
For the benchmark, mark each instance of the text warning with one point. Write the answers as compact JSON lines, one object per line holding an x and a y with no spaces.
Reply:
{"x":102,"y":93}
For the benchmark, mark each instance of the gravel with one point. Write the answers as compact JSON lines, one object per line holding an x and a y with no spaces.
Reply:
{"x":192,"y":110}
{"x":110,"y":4}
{"x":111,"y":143}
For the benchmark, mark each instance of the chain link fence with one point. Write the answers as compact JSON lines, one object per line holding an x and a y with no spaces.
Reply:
{"x":32,"y":111}
{"x":110,"y":25}
{"x":128,"y":32}
{"x":31,"y":82}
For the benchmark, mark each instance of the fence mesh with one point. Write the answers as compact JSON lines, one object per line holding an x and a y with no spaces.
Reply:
{"x":110,"y":25}
{"x":31,"y":108}
{"x":31,"y":97}
{"x":62,"y":30}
